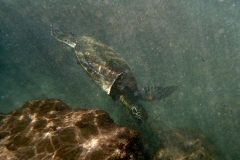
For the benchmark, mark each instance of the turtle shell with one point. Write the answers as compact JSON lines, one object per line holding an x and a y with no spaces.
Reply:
{"x":101,"y":62}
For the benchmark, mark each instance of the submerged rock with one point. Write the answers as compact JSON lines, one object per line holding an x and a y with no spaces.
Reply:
{"x":183,"y":144}
{"x":49,"y":129}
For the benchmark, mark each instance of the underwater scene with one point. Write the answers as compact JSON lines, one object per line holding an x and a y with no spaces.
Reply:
{"x":119,"y":79}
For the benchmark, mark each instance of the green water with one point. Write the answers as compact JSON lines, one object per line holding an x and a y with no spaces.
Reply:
{"x":192,"y":44}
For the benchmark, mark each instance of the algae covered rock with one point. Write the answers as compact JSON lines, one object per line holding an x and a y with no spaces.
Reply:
{"x":49,"y":129}
{"x":184,"y":144}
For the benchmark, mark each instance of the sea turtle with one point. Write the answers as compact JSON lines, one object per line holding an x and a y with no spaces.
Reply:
{"x":112,"y":73}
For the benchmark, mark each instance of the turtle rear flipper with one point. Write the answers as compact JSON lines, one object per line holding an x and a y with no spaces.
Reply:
{"x":156,"y":93}
{"x":67,"y":38}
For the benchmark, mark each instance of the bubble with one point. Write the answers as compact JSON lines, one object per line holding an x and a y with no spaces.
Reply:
{"x":221,"y":31}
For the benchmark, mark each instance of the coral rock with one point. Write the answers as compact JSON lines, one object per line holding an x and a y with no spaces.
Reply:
{"x":49,"y":129}
{"x":182,"y":144}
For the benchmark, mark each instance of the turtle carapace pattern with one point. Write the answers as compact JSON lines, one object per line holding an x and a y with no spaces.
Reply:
{"x":112,"y":73}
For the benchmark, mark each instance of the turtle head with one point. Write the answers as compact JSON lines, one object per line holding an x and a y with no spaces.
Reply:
{"x":132,"y":103}
{"x":139,"y":114}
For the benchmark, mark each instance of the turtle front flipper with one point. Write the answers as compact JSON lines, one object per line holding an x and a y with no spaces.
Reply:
{"x":155,"y":93}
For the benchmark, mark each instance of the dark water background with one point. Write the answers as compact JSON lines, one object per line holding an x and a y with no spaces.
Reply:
{"x":192,"y":44}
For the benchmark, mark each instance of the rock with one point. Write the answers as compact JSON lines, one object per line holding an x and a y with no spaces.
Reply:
{"x":49,"y":129}
{"x":182,"y":144}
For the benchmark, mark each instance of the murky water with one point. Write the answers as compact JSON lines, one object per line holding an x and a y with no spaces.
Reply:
{"x":194,"y":45}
